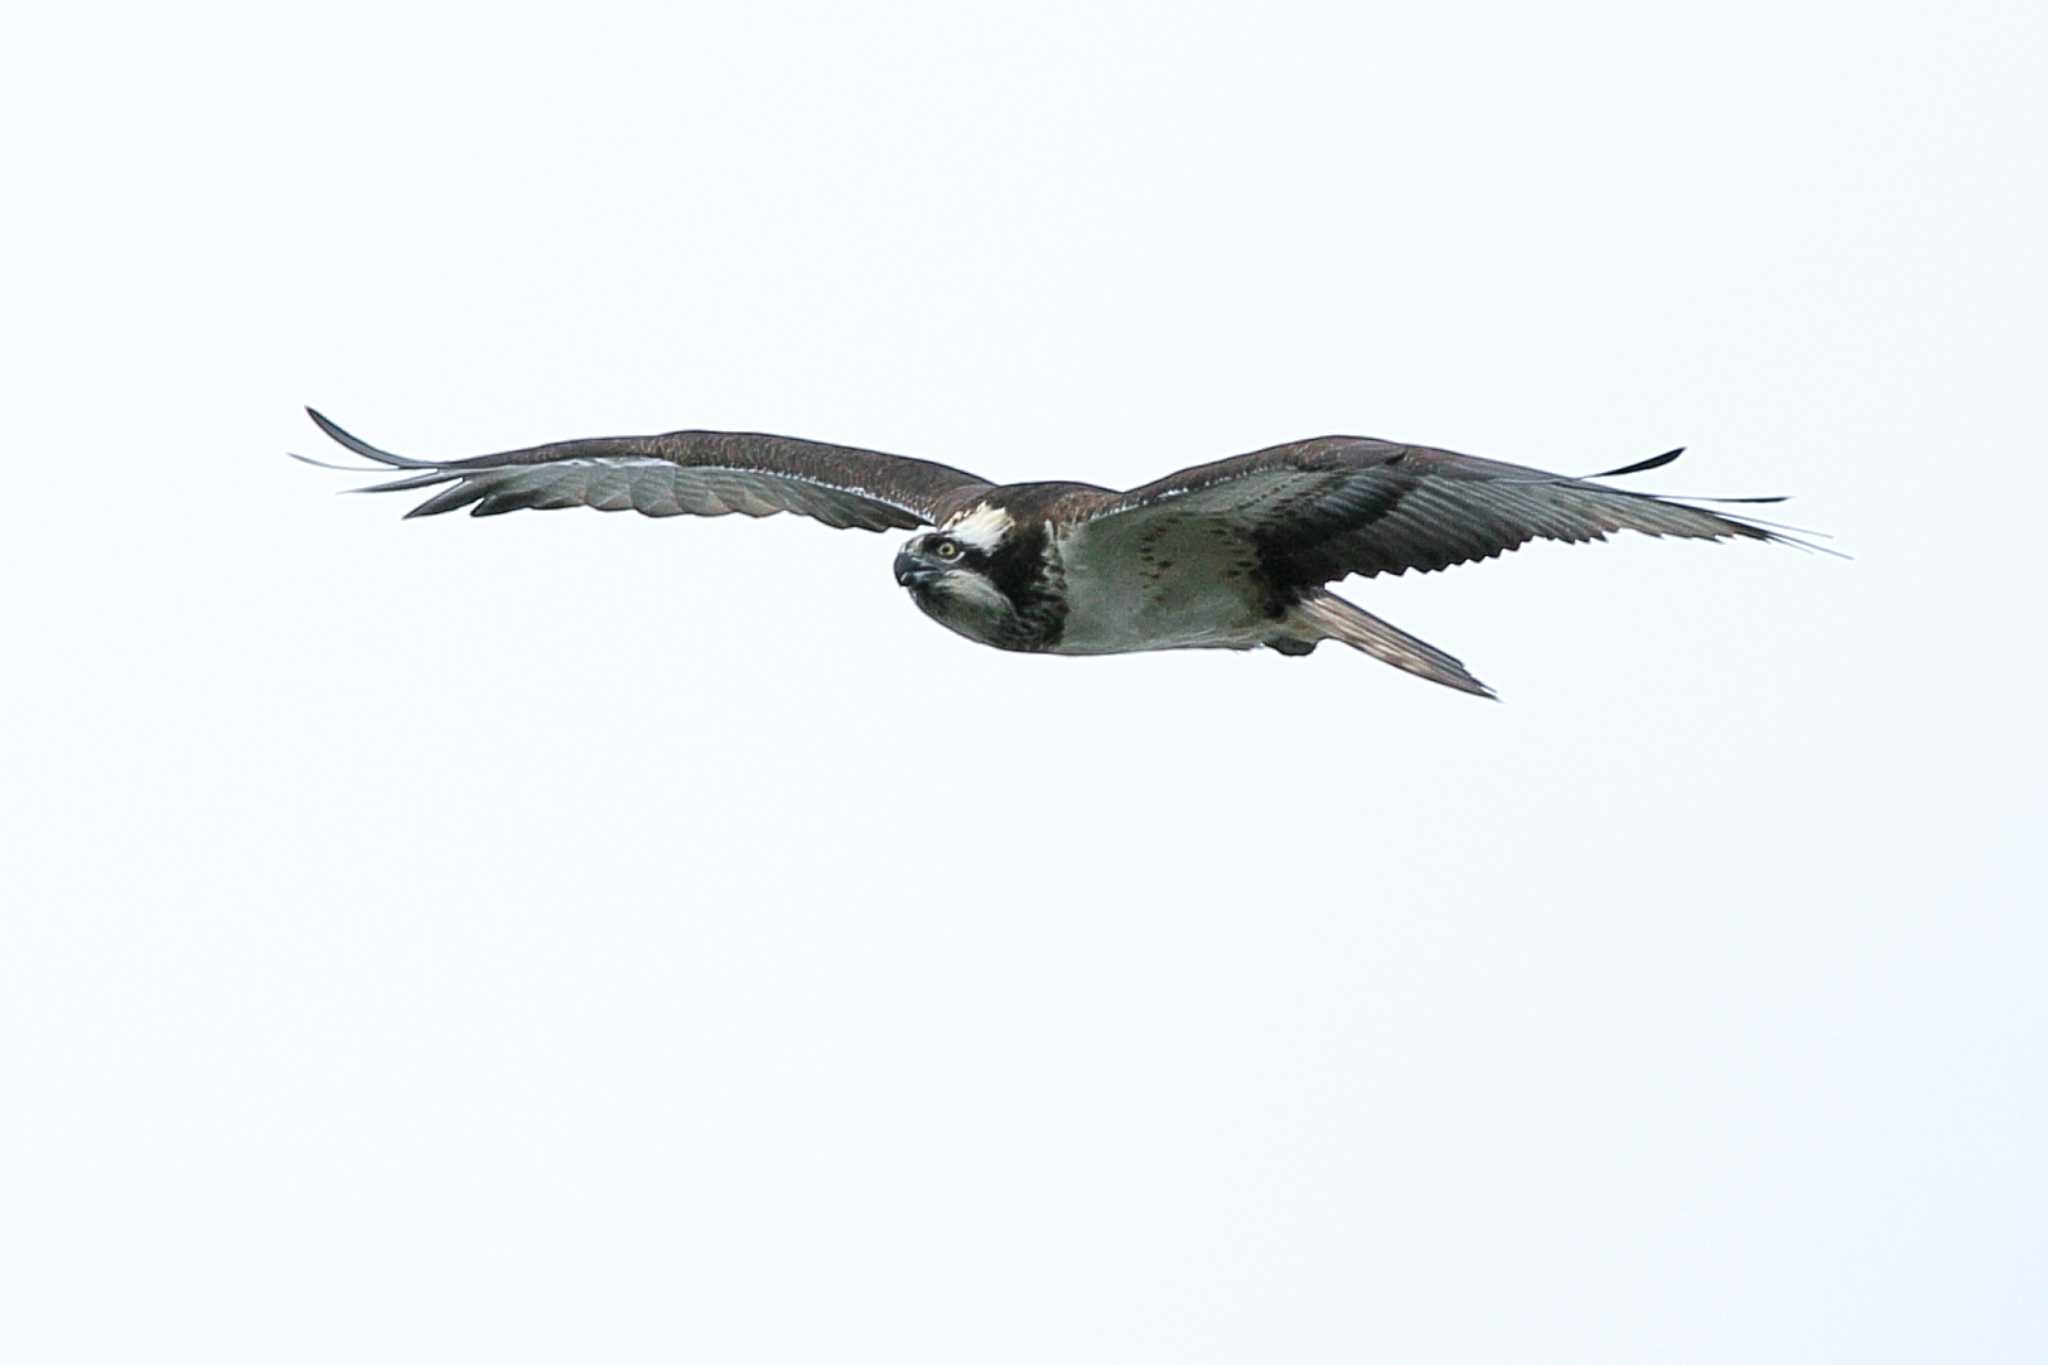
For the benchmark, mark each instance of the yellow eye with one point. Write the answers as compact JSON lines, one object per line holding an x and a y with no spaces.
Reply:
{"x":946,"y":549}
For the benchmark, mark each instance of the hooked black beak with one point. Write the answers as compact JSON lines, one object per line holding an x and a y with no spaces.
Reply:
{"x":910,"y":572}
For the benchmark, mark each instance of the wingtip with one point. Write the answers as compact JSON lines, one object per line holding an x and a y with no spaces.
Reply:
{"x":359,"y":445}
{"x":344,"y":468}
{"x":1641,"y":466}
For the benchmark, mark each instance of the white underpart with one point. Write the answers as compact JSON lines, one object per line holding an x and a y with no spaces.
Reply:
{"x":1150,"y":582}
{"x":981,"y":526}
{"x":971,"y":587}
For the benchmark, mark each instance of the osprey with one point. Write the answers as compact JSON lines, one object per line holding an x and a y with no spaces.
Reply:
{"x":1231,"y":555}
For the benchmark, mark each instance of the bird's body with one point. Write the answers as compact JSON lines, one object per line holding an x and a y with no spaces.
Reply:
{"x":1175,"y":584}
{"x":1068,"y":583}
{"x":1230,"y":555}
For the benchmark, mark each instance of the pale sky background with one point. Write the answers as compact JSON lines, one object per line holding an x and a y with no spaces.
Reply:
{"x":571,"y":937}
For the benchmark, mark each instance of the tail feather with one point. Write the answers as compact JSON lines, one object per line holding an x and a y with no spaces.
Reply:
{"x":1326,"y":616}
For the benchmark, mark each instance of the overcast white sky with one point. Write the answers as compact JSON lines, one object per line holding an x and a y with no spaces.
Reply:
{"x":581,"y":937}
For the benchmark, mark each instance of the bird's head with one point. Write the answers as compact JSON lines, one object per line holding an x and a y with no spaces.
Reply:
{"x":951,"y":574}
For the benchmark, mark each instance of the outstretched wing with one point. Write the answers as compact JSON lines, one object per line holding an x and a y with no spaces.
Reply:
{"x":686,"y":473}
{"x":1318,"y":510}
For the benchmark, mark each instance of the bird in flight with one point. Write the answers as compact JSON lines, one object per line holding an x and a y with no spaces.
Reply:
{"x":1232,"y":555}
